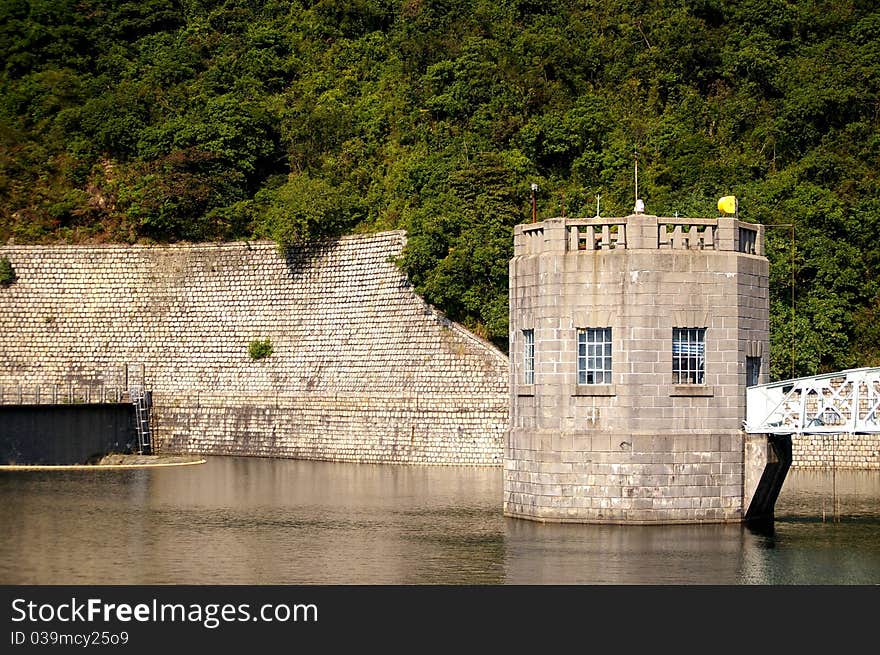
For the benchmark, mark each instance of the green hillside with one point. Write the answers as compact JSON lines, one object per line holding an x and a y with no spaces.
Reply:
{"x":164,"y":120}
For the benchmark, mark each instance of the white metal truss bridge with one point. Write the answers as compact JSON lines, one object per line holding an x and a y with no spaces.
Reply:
{"x":833,"y":403}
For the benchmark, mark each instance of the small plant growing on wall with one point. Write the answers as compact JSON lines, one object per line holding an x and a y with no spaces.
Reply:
{"x":260,"y":349}
{"x":7,"y":273}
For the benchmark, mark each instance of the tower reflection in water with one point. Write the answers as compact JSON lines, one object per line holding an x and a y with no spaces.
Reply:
{"x":264,"y":521}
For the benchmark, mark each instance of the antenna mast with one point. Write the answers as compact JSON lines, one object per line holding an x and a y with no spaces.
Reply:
{"x":534,"y":203}
{"x":637,"y":178}
{"x":639,"y":207}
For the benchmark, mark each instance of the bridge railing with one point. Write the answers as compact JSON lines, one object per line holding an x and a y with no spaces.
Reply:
{"x":846,"y":401}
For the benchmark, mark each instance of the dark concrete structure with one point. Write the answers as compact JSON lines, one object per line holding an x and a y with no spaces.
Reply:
{"x":65,"y":434}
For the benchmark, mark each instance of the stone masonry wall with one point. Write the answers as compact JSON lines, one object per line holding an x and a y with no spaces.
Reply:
{"x":640,"y":449}
{"x":362,"y":368}
{"x":843,"y":451}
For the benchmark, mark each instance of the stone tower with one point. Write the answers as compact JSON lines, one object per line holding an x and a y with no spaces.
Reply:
{"x":632,"y":341}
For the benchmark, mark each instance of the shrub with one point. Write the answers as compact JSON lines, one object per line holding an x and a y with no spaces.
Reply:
{"x":7,"y":273}
{"x":258,"y":349}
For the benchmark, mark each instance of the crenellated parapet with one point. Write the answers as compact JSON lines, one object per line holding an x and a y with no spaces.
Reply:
{"x":639,"y":232}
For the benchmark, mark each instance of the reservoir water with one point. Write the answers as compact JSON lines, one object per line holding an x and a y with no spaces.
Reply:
{"x":264,"y":521}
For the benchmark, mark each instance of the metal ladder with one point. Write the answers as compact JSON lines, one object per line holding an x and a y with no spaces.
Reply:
{"x":138,"y":397}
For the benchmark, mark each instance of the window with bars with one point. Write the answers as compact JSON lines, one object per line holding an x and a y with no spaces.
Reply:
{"x":528,"y":357}
{"x":753,"y":371}
{"x":688,"y":355}
{"x":594,"y":356}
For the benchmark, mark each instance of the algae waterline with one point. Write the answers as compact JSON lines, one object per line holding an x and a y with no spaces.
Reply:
{"x":114,"y":461}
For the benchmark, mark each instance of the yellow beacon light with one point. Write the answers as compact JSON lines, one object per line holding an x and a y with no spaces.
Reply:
{"x":727,"y":204}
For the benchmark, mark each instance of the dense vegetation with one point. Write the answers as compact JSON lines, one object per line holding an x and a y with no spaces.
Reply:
{"x":7,"y":272}
{"x":216,"y":119}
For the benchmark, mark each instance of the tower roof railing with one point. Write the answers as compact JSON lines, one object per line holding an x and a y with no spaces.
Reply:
{"x":638,"y":231}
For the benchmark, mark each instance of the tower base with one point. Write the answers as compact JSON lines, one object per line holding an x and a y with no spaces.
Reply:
{"x":643,"y":478}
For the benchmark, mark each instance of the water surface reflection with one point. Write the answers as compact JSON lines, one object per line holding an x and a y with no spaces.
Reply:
{"x":262,"y":521}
